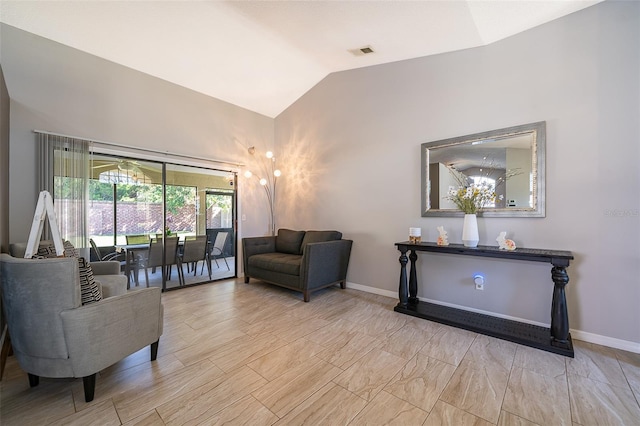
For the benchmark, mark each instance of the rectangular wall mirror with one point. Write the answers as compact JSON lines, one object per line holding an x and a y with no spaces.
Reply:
{"x":510,"y":159}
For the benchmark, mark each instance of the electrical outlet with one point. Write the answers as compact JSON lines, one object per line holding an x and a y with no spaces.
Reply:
{"x":479,"y":282}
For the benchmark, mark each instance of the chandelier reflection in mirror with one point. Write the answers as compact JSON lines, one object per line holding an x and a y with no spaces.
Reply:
{"x":268,"y":179}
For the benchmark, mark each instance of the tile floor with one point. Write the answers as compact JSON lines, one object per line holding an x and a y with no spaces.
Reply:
{"x":257,"y":355}
{"x":218,"y":272}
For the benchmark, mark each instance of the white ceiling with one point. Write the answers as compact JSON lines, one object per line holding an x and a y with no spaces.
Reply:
{"x":264,"y":55}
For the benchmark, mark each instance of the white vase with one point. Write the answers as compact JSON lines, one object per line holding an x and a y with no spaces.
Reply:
{"x":470,"y":236}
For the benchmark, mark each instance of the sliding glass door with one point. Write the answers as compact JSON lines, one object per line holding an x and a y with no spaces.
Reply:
{"x":220,"y":220}
{"x":134,"y":203}
{"x":189,"y":211}
{"x":125,"y":198}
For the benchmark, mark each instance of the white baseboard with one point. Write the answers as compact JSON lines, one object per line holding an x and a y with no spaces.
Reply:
{"x":611,"y":342}
{"x":378,"y":291}
{"x":575,"y":334}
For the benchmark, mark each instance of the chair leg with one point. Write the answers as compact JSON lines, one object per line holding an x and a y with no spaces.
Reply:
{"x":306,"y":295}
{"x":180,"y":267}
{"x":343,"y":284}
{"x":146,"y":276}
{"x":154,"y":350}
{"x":89,"y":387}
{"x":136,"y":270}
{"x":206,"y":259}
{"x":33,"y":380}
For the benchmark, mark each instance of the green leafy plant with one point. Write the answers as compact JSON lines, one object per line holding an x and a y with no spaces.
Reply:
{"x":472,"y":198}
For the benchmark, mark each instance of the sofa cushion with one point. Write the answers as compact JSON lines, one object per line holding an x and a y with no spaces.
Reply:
{"x":112,"y":285}
{"x":289,"y":241}
{"x":277,"y":262}
{"x":319,"y":237}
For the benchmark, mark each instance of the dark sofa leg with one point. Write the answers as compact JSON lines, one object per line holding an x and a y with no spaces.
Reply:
{"x":154,"y":350}
{"x":89,"y":387}
{"x":306,"y":296}
{"x":343,"y":284}
{"x":246,"y":279}
{"x":33,"y":380}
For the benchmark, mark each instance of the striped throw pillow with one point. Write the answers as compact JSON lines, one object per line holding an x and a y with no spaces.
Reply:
{"x":48,"y":249}
{"x":89,"y":289}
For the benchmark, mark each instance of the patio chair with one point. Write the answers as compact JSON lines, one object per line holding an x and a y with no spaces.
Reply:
{"x":194,"y":250}
{"x":154,"y":257}
{"x":113,"y":255}
{"x":138,"y":239}
{"x":138,"y":259}
{"x":218,"y":250}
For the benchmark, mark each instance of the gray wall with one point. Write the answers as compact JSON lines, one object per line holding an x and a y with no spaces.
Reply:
{"x":58,"y":89}
{"x":4,"y":164}
{"x":350,"y":153}
{"x":353,"y":145}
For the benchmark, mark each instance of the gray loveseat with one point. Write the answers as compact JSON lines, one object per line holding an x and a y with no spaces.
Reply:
{"x":298,"y":260}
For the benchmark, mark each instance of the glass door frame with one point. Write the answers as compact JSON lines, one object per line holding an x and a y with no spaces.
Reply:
{"x":233,"y":192}
{"x":234,"y":217}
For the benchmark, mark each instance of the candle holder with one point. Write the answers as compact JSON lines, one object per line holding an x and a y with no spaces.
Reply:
{"x":415,"y":235}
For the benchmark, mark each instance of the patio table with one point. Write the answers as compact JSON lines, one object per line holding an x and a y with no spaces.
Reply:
{"x":129,"y":254}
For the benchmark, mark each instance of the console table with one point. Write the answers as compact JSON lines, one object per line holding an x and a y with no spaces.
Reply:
{"x":555,"y":339}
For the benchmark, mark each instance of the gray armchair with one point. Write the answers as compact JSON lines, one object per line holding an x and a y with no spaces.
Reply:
{"x":53,"y":335}
{"x":106,"y":273}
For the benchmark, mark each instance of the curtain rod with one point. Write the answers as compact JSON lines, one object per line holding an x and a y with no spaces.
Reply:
{"x":135,"y":148}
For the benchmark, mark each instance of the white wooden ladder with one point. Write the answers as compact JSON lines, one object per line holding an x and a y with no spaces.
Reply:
{"x":44,"y":209}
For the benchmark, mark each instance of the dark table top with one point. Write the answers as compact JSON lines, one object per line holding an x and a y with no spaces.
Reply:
{"x":555,"y":257}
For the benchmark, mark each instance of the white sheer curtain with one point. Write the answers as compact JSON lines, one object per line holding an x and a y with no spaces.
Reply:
{"x":64,"y":172}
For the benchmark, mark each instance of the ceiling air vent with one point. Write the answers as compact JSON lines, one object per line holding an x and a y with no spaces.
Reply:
{"x":362,"y":51}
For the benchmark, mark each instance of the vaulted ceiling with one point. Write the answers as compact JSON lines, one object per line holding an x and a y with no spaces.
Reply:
{"x":264,"y":55}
